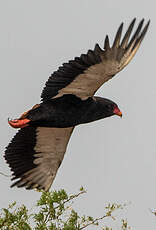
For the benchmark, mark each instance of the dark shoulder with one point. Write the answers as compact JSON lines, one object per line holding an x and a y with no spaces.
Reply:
{"x":101,"y":100}
{"x":69,"y":99}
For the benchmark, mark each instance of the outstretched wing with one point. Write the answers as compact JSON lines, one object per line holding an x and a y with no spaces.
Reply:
{"x":85,"y":74}
{"x":35,"y":154}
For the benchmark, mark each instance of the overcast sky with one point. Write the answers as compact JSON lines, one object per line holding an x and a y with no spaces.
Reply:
{"x":114,"y":159}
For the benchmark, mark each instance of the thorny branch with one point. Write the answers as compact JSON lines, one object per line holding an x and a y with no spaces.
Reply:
{"x":71,"y":198}
{"x":66,"y":201}
{"x":94,"y":221}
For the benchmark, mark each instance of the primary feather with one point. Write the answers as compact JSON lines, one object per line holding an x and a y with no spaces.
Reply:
{"x":37,"y":150}
{"x":85,"y":74}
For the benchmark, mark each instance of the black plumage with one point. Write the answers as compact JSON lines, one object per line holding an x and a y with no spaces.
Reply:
{"x":70,"y":110}
{"x":20,"y":152}
{"x":37,"y":150}
{"x":68,"y":72}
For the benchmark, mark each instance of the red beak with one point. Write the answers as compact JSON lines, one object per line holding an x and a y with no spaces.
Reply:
{"x":117,"y":112}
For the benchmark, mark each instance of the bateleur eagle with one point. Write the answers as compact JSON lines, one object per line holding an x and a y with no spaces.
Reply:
{"x":37,"y":150}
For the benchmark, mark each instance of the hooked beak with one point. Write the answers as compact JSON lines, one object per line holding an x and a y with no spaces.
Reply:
{"x":117,"y":112}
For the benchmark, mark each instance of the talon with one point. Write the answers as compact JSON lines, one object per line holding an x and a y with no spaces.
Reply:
{"x":16,"y":123}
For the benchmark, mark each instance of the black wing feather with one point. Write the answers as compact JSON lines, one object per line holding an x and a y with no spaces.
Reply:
{"x":20,"y":152}
{"x":69,"y":71}
{"x":84,"y":75}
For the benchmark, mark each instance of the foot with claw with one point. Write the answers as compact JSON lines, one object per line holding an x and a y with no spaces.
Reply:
{"x":18,"y":123}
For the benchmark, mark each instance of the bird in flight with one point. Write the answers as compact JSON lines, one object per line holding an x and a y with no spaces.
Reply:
{"x":67,"y":100}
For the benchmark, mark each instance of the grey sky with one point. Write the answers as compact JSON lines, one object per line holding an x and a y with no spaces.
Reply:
{"x":113,"y":158}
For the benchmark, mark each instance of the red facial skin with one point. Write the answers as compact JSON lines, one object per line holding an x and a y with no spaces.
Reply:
{"x":117,"y":111}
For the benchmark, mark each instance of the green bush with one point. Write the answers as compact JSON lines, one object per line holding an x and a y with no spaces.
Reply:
{"x":54,"y":212}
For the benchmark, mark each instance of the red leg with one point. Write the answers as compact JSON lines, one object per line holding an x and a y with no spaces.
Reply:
{"x":19,"y":123}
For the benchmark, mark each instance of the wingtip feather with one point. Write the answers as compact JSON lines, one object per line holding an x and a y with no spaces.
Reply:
{"x":116,"y":42}
{"x":127,"y":34}
{"x":106,"y":43}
